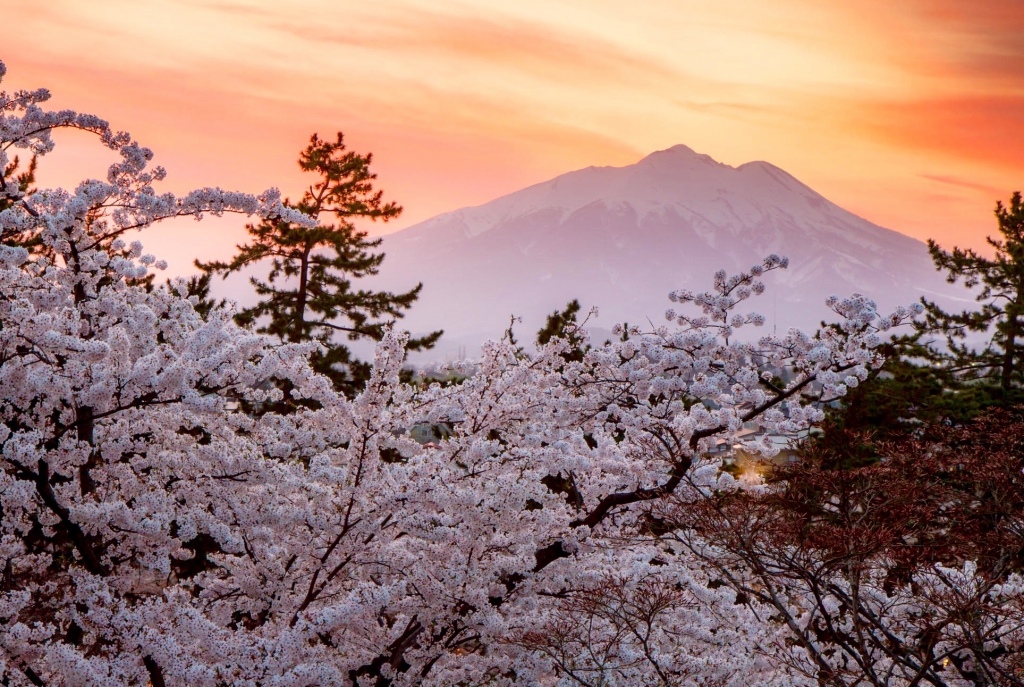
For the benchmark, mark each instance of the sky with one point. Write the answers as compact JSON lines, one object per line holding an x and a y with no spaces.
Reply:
{"x":906,"y":113}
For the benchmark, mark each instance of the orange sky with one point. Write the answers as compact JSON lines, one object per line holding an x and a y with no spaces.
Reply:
{"x":910,"y":117}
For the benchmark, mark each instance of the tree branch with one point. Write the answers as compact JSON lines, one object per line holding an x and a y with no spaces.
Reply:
{"x":78,"y":537}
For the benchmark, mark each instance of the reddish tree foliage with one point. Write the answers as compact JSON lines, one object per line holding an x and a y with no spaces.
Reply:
{"x":622,"y":630}
{"x":860,"y":563}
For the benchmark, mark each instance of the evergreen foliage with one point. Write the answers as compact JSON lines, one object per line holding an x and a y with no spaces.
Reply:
{"x":16,"y":183}
{"x":912,"y":390}
{"x":309,"y":293}
{"x":999,"y":366}
{"x":921,"y":384}
{"x":197,"y":289}
{"x":563,"y":324}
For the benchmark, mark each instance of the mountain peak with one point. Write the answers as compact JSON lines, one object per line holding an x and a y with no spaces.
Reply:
{"x":677,"y":149}
{"x":677,"y":154}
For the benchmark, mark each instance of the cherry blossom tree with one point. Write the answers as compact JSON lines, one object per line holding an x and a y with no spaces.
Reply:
{"x":151,"y":532}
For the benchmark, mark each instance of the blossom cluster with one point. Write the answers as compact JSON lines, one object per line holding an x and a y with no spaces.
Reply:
{"x":152,"y":531}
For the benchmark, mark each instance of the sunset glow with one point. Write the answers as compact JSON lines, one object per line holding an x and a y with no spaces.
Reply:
{"x":909,"y":117}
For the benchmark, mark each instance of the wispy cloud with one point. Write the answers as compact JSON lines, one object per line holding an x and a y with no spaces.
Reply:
{"x":473,"y":42}
{"x":964,"y":183}
{"x":978,"y":128}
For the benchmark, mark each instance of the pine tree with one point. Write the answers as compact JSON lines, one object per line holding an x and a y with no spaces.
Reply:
{"x":16,"y":183}
{"x":909,"y":393}
{"x":562,"y":324}
{"x":197,"y":288}
{"x":999,"y":366}
{"x":309,"y":293}
{"x":921,"y":385}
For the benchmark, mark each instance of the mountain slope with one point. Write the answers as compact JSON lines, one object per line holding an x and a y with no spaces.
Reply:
{"x":621,"y":238}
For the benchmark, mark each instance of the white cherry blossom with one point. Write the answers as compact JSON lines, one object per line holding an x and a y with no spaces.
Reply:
{"x":152,"y":531}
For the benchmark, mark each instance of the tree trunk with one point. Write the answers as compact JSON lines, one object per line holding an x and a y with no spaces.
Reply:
{"x":1009,"y":354}
{"x":300,"y":297}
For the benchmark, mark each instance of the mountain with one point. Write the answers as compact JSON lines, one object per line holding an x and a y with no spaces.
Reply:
{"x":621,"y":238}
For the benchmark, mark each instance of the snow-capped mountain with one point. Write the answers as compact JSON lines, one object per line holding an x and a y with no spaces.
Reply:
{"x":621,"y":238}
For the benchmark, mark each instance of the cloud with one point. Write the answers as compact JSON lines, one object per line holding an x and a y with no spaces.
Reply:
{"x":963,"y":183}
{"x":981,"y":129}
{"x":726,"y":109}
{"x":474,"y":42}
{"x":981,"y":41}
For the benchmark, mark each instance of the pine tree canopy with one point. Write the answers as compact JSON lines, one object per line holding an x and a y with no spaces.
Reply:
{"x":309,"y":293}
{"x":563,"y":324}
{"x":921,"y":384}
{"x":15,"y":183}
{"x":1000,"y":363}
